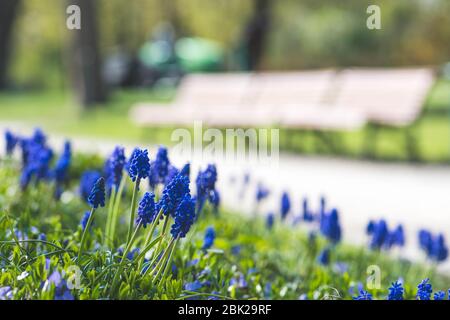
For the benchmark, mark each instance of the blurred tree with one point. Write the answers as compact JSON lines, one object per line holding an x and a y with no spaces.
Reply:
{"x":8,"y":10}
{"x":255,"y":34}
{"x":85,"y":58}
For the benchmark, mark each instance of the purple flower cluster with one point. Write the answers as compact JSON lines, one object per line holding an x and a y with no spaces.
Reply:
{"x":382,"y":237}
{"x":146,"y":210}
{"x":36,"y":156}
{"x":159,"y":169}
{"x":330,"y":226}
{"x":184,"y":217}
{"x":113,"y":169}
{"x":139,"y":165}
{"x":433,"y":245}
{"x":206,"y":184}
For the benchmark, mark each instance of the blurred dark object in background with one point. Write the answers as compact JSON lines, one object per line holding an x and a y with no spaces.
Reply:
{"x":8,"y":11}
{"x":84,"y":56}
{"x":163,"y":60}
{"x":255,"y":36}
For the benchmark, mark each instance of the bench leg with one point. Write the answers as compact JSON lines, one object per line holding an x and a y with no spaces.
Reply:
{"x":411,"y":146}
{"x":370,"y":141}
{"x":329,"y":140}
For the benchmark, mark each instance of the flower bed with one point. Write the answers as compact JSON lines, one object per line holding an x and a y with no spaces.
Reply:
{"x":77,"y":227}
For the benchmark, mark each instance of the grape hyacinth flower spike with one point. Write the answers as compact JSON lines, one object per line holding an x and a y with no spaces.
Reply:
{"x":10,"y":142}
{"x":138,"y":168}
{"x":96,"y":199}
{"x":210,"y":236}
{"x":61,"y":169}
{"x":159,"y":168}
{"x":440,"y":295}
{"x":363,"y":295}
{"x":396,"y":291}
{"x":173,"y":194}
{"x":146,"y":210}
{"x":424,"y":290}
{"x":261,"y":193}
{"x":205,"y":183}
{"x":270,"y":220}
{"x":114,"y":168}
{"x":285,"y":205}
{"x":324,"y":257}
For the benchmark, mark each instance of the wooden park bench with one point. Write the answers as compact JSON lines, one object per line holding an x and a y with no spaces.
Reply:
{"x":292,"y":99}
{"x":318,"y":101}
{"x":387,"y":98}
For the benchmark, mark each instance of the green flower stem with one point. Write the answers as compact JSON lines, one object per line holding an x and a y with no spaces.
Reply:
{"x":133,"y":210}
{"x":124,"y":258}
{"x":169,"y":261}
{"x":146,"y":249}
{"x":149,"y":235}
{"x":85,"y":231}
{"x":153,"y":261}
{"x":115,"y":215}
{"x":196,"y":294}
{"x":109,"y":216}
{"x":163,"y":233}
{"x":159,"y":267}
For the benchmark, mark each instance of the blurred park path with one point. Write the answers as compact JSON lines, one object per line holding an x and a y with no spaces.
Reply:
{"x":414,"y":195}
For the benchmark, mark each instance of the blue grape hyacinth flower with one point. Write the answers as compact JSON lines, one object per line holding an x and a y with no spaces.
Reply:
{"x":139,"y":165}
{"x":173,"y":193}
{"x":270,"y":220}
{"x":114,"y":167}
{"x":184,"y":217}
{"x":330,"y":226}
{"x":87,"y":181}
{"x":6,"y":293}
{"x":363,"y":295}
{"x":439,"y":250}
{"x":308,"y":216}
{"x":146,"y":210}
{"x":205,"y":183}
{"x":285,"y":205}
{"x":424,"y":290}
{"x":10,"y":142}
{"x":396,"y":291}
{"x":433,"y":246}
{"x":261,"y":192}
{"x":160,"y":167}
{"x":97,"y":196}
{"x":186,"y":170}
{"x":440,"y":295}
{"x":214,"y":199}
{"x":63,"y":163}
{"x":380,"y":235}
{"x":210,"y":236}
{"x":171,"y":173}
{"x":324,"y":257}
{"x":399,"y":236}
{"x":39,"y":137}
{"x":62,"y":292}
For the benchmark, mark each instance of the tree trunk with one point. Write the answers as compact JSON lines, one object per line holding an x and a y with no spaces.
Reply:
{"x":255,"y":35}
{"x":8,"y":10}
{"x":84,"y":56}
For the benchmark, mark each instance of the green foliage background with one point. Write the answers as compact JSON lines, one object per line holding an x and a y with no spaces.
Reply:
{"x":304,"y":33}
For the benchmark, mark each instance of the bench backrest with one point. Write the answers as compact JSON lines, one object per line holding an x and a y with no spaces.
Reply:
{"x":390,"y":96}
{"x":206,"y":90}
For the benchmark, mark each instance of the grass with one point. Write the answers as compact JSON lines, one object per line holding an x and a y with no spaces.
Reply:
{"x":56,"y":112}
